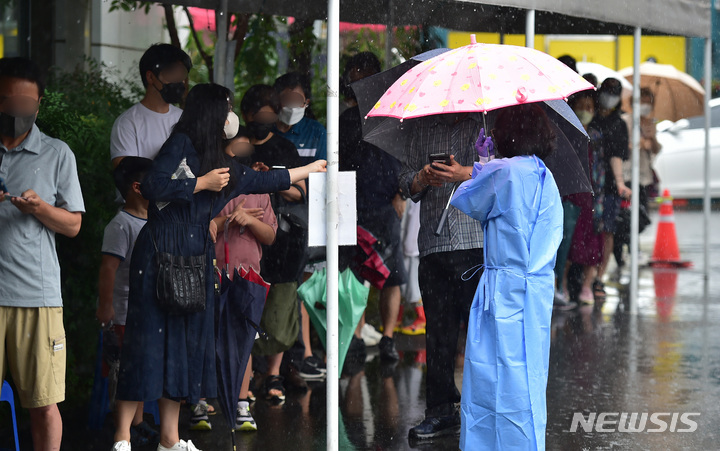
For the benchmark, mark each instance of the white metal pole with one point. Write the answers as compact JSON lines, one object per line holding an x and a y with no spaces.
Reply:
{"x":221,"y":46}
{"x":333,"y":116}
{"x":389,"y":35}
{"x":635,"y":185}
{"x":530,"y":28}
{"x":706,"y":194}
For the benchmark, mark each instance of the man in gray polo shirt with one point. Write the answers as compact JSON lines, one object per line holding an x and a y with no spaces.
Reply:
{"x":41,"y":197}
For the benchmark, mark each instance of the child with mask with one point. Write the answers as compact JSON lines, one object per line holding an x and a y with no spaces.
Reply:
{"x":260,"y":107}
{"x":308,"y":135}
{"x":143,"y":128}
{"x":247,"y":222}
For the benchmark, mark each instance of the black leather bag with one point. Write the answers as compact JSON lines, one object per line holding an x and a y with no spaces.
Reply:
{"x":181,"y":283}
{"x":180,"y":287}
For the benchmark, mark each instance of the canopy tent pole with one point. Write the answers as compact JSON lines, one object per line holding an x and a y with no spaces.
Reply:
{"x":333,"y":114}
{"x":635,"y":198}
{"x":389,"y":35}
{"x":530,"y":28}
{"x":706,"y":194}
{"x":221,"y":26}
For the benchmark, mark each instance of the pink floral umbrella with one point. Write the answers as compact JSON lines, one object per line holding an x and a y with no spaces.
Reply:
{"x":478,"y":78}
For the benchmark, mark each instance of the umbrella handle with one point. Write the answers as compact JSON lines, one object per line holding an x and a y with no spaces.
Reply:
{"x":444,"y":216}
{"x":441,"y":223}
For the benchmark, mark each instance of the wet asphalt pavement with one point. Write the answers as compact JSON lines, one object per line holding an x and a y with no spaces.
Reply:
{"x":662,"y":365}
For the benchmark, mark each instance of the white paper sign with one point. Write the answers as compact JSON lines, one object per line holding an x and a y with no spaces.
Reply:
{"x":317,"y":201}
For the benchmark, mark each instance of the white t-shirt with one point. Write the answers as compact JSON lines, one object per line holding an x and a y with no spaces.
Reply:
{"x":141,"y":132}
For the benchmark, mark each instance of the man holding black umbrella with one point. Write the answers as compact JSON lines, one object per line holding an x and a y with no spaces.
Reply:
{"x":446,"y":253}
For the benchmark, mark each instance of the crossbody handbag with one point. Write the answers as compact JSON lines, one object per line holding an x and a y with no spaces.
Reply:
{"x":180,"y":288}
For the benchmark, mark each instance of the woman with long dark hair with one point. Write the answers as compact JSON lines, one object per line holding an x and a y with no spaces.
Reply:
{"x":171,"y":357}
{"x":508,"y":344}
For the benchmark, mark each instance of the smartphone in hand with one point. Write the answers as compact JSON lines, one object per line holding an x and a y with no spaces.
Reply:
{"x":443,"y":158}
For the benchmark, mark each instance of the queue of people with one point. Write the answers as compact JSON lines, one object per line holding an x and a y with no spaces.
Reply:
{"x":591,"y":220}
{"x":193,"y":182}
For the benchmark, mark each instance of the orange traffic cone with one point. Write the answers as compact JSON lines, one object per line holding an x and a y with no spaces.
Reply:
{"x":667,"y":253}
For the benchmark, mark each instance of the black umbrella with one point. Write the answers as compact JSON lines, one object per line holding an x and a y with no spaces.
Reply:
{"x":238,"y":314}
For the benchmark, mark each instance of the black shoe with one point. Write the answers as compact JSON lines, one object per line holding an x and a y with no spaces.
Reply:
{"x":312,"y":369}
{"x":387,"y":349}
{"x":436,"y":427}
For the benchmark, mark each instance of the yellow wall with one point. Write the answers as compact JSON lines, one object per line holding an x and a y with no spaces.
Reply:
{"x":665,"y":49}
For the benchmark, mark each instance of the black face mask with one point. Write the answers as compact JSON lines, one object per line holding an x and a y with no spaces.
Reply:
{"x":172,"y":92}
{"x":259,"y":130}
{"x":14,"y":126}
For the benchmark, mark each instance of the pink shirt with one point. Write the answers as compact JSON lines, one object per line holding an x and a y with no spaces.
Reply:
{"x":244,"y":248}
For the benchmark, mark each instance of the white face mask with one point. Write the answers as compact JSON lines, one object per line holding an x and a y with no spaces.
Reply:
{"x":645,"y":109}
{"x":609,"y":101}
{"x":232,"y":124}
{"x":291,"y":116}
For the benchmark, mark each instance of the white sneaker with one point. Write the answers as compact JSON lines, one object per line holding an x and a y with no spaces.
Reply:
{"x":182,"y":445}
{"x":243,"y":419}
{"x":122,"y":445}
{"x":370,"y":336}
{"x":199,"y":420}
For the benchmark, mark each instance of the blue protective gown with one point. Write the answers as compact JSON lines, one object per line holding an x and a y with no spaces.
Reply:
{"x":508,"y":343}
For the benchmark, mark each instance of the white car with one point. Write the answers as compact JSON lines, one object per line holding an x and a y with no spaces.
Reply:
{"x":681,"y":162}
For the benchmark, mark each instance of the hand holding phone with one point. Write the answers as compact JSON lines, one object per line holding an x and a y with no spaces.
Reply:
{"x":442,"y":158}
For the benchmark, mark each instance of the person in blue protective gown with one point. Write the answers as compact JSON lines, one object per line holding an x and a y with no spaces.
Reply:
{"x":172,"y":357}
{"x":508,"y":344}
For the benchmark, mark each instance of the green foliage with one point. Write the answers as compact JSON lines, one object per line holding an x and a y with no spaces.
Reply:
{"x":80,"y":108}
{"x":258,"y":59}
{"x":406,"y":40}
{"x":130,"y":5}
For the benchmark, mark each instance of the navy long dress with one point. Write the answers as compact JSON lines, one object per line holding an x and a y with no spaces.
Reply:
{"x":173,"y":356}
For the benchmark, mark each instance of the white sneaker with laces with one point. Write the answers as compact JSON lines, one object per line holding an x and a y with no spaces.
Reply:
{"x":370,"y":336}
{"x":182,"y":445}
{"x":122,"y":445}
{"x":243,"y":419}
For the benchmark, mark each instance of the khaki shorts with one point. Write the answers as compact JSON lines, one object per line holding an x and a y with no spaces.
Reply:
{"x":32,"y":345}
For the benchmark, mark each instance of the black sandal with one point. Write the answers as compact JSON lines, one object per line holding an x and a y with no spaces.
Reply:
{"x":598,"y":290}
{"x":274,"y":383}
